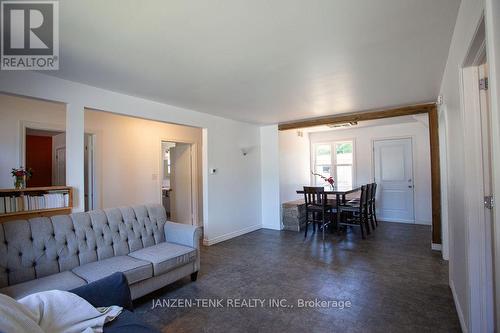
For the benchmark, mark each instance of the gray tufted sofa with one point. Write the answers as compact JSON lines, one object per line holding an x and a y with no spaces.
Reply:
{"x":67,"y":251}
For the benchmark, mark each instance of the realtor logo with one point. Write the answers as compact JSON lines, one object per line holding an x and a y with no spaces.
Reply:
{"x":30,"y":35}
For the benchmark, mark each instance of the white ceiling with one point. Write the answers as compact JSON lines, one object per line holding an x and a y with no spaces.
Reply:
{"x":258,"y":60}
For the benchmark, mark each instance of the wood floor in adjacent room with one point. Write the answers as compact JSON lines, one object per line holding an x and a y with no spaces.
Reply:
{"x":393,"y":280}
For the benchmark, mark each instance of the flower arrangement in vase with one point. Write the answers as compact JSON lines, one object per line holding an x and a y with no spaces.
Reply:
{"x":20,"y":176}
{"x":329,"y":180}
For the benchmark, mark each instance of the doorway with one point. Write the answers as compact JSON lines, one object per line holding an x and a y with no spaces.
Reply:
{"x":89,"y":172}
{"x":393,"y":164}
{"x":178,"y":185}
{"x":45,"y":155}
{"x":478,"y":181}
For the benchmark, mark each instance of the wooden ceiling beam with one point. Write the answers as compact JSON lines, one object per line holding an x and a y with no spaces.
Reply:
{"x":359,"y":116}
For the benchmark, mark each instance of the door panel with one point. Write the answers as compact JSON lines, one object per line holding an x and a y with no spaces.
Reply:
{"x":181,"y":184}
{"x":488,"y":190}
{"x":88,"y":171}
{"x":394,"y":175}
{"x":61,"y":166}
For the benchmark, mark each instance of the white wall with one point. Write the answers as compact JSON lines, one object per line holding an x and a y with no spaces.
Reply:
{"x":295,"y":167}
{"x":364,"y":172}
{"x":233,"y":193}
{"x":270,"y":177}
{"x":128,"y":157}
{"x":468,"y":19}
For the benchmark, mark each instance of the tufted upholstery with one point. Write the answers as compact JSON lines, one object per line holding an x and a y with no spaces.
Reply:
{"x":41,"y":247}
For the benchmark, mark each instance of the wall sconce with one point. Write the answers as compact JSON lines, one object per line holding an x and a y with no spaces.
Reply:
{"x":245,"y":150}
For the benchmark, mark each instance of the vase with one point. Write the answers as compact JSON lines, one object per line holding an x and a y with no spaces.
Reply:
{"x":20,"y":182}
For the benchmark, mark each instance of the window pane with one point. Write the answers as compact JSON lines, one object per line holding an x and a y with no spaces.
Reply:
{"x":325,"y":171}
{"x":323,"y":154}
{"x":344,"y":152}
{"x":344,"y":175}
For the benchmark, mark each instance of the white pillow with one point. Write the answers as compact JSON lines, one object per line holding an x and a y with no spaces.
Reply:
{"x":15,"y":317}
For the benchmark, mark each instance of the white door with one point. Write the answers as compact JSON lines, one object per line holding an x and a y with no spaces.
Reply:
{"x":89,"y":171}
{"x":488,"y":192}
{"x":61,"y":166}
{"x":394,"y":176}
{"x":181,"y":199}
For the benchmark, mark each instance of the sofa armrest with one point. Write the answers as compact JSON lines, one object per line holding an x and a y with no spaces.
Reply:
{"x":183,"y":234}
{"x":111,"y":290}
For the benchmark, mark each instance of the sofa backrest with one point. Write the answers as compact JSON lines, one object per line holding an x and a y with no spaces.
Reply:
{"x":38,"y":247}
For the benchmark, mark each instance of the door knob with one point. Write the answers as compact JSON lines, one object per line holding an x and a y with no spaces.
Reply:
{"x":409,"y":186}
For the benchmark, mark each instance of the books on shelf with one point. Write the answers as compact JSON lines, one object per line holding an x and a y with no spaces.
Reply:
{"x":29,"y":202}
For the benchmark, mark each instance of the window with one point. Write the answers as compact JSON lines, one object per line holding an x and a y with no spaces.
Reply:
{"x":339,"y":165}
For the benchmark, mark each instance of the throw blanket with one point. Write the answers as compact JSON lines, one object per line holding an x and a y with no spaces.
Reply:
{"x":58,"y":311}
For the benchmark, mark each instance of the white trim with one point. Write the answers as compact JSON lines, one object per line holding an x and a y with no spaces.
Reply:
{"x":97,"y":137}
{"x":194,"y":177}
{"x":436,"y":247}
{"x":394,"y":220}
{"x":492,"y":27}
{"x":458,"y":307}
{"x":444,"y":158}
{"x":218,"y":239}
{"x":333,"y":164}
{"x":24,"y":124}
{"x":477,"y":264}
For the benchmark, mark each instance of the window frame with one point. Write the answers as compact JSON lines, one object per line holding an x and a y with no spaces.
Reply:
{"x":333,"y":163}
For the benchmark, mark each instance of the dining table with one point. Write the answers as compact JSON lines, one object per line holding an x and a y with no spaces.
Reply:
{"x":340,"y":192}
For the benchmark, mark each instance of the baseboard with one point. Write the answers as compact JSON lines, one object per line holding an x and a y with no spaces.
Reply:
{"x":218,"y":239}
{"x":458,"y":307}
{"x":423,"y":222}
{"x":436,"y":247}
{"x":383,"y":219}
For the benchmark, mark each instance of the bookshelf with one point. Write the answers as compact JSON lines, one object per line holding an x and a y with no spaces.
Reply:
{"x":33,"y":202}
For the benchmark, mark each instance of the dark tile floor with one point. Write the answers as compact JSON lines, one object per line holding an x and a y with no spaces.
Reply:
{"x":393,"y":280}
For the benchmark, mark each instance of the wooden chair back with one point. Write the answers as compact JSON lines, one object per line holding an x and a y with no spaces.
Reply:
{"x":314,"y":196}
{"x":363,"y":199}
{"x":369,"y":194}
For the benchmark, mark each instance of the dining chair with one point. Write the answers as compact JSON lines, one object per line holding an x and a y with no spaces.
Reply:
{"x":369,"y":206}
{"x":374,"y":208}
{"x":317,"y":207}
{"x":372,"y":212}
{"x":358,"y":215}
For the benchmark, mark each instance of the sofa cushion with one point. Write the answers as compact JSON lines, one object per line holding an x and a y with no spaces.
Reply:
{"x":166,"y":256}
{"x":134,"y":269}
{"x":60,"y":281}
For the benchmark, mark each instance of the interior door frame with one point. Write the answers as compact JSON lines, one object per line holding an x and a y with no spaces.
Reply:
{"x":92,"y":170}
{"x":194,"y":176}
{"x":24,"y":124}
{"x":481,"y":318}
{"x":412,"y":139}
